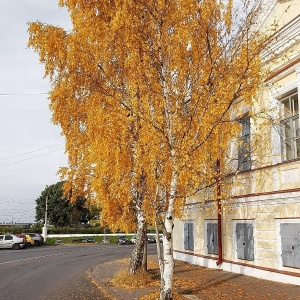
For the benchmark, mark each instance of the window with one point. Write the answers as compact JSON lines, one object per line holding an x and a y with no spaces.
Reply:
{"x":245,"y":241}
{"x":290,"y":244}
{"x":8,"y":237}
{"x":290,"y":127}
{"x":212,"y":238}
{"x":244,"y":155}
{"x":189,"y":236}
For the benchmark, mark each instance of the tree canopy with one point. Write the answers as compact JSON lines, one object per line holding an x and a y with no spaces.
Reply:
{"x":61,"y":211}
{"x":145,"y":93}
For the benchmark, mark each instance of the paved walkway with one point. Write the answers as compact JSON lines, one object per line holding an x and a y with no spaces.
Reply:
{"x":195,"y":283}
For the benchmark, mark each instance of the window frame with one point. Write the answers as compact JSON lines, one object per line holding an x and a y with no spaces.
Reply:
{"x":244,"y":148}
{"x":188,"y":236}
{"x":214,"y":243}
{"x":292,"y":122}
{"x":236,"y":242}
{"x":279,"y":222}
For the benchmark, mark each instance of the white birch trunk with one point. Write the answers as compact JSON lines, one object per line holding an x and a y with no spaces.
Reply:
{"x":138,"y":249}
{"x":136,"y":260}
{"x":168,"y":270}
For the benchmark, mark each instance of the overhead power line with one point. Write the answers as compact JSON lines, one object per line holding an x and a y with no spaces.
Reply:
{"x":25,"y":153}
{"x":16,"y":201}
{"x":19,"y":161}
{"x":22,"y":210}
{"x":23,"y":94}
{"x":5,"y":198}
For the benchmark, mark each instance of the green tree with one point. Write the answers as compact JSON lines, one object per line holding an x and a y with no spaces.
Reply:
{"x":61,"y":211}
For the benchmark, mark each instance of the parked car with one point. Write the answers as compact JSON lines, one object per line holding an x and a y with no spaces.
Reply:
{"x":76,"y":241}
{"x":151,"y":239}
{"x":122,"y":240}
{"x":105,"y":240}
{"x":11,"y":241}
{"x":28,"y":239}
{"x":133,"y":240}
{"x":59,"y":242}
{"x":88,"y":240}
{"x":38,"y":238}
{"x":22,"y":236}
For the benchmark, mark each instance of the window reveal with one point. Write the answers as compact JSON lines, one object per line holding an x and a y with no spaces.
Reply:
{"x":245,"y":241}
{"x":189,"y":236}
{"x":212,"y":238}
{"x":290,"y":127}
{"x":244,"y":154}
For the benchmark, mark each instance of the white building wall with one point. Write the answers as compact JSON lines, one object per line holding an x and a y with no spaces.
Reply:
{"x":266,"y":213}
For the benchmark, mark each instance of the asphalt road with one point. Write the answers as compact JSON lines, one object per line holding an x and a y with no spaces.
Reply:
{"x":55,"y":272}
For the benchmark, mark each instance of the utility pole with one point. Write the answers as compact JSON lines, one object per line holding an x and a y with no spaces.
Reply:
{"x":45,"y":224}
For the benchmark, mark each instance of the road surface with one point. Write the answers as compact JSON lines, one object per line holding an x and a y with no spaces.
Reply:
{"x":55,"y":272}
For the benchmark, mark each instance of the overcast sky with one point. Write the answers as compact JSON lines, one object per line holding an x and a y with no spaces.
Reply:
{"x":31,"y":148}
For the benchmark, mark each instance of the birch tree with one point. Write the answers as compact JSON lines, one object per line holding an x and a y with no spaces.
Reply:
{"x":143,"y":92}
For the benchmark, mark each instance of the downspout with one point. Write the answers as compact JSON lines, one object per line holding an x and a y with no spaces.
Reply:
{"x":220,"y":250}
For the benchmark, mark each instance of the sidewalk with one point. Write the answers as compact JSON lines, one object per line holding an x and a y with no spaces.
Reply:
{"x":195,"y":282}
{"x":101,"y":275}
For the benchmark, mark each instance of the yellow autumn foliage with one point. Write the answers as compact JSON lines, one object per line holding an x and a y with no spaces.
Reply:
{"x":143,"y":92}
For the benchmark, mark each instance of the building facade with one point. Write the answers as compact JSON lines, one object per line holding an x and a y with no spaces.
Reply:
{"x":260,"y":227}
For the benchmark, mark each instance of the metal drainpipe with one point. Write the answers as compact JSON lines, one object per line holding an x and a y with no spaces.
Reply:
{"x":220,"y":251}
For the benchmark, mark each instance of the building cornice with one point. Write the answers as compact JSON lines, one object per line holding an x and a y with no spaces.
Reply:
{"x":284,"y":70}
{"x":283,"y":40}
{"x":288,"y":35}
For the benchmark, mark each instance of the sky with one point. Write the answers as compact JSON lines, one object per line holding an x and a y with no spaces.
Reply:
{"x":31,"y":147}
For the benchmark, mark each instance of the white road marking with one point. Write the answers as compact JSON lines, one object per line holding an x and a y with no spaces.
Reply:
{"x":43,"y":256}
